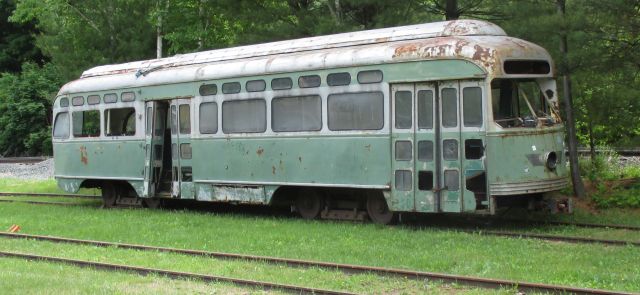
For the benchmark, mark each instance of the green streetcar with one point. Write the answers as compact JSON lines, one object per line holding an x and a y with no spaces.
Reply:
{"x":447,"y":117}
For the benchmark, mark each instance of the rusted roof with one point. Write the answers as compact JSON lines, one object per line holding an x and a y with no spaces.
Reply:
{"x":421,"y":31}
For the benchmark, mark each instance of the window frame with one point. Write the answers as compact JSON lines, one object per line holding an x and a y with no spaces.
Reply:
{"x":264,"y":130}
{"x":382,"y":107}
{"x":273,"y":99}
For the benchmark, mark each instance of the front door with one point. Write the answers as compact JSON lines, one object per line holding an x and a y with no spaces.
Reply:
{"x":430,"y":165}
{"x":181,"y":162}
{"x":155,"y":114}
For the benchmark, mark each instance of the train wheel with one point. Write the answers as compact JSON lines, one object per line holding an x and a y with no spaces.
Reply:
{"x":309,"y":203}
{"x":109,"y":195}
{"x":378,"y":210}
{"x":153,"y":203}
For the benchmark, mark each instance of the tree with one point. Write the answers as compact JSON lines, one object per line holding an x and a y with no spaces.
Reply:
{"x":25,"y":110}
{"x":16,"y":41}
{"x":77,"y":35}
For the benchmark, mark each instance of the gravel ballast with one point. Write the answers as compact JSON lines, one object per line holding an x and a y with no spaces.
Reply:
{"x":40,"y":170}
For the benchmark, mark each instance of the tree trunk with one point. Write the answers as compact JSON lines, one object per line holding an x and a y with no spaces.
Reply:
{"x":592,"y":144}
{"x":578,"y":186}
{"x":451,"y":10}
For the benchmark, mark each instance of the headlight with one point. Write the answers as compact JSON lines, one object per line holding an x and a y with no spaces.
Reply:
{"x":551,"y":160}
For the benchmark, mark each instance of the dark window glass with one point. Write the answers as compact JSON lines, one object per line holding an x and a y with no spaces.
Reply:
{"x":64,"y":102}
{"x":208,"y":117}
{"x":110,"y":98}
{"x":374,"y":76}
{"x":281,"y":84}
{"x":425,"y":150}
{"x":339,"y":79}
{"x":127,"y":96}
{"x":356,"y":111}
{"x":149,"y":120}
{"x":473,"y":149}
{"x":255,"y":85}
{"x":77,"y":101}
{"x":425,"y":180}
{"x":185,"y":151}
{"x":403,"y":150}
{"x":174,"y":152}
{"x":450,"y":149}
{"x":174,"y":120}
{"x":403,"y":109}
{"x":244,"y":116}
{"x":425,"y":109}
{"x":449,"y":107}
{"x":539,"y":67}
{"x":185,"y":119}
{"x":160,"y":121}
{"x":403,"y":180}
{"x":86,"y":124}
{"x":231,"y":87}
{"x":299,"y":113}
{"x":61,"y":126}
{"x":452,"y":180}
{"x":208,"y":89}
{"x":309,"y":81}
{"x":472,"y":106}
{"x":93,"y":99}
{"x":120,"y":122}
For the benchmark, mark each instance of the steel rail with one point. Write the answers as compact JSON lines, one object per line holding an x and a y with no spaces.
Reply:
{"x":577,"y":224}
{"x":569,"y":239}
{"x":175,"y":274}
{"x":10,"y":194}
{"x":346,"y":268}
{"x":40,"y":202}
{"x":22,"y":160}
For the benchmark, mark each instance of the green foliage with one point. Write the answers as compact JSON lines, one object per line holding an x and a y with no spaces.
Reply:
{"x":25,"y":110}
{"x":16,"y":41}
{"x":627,"y":197}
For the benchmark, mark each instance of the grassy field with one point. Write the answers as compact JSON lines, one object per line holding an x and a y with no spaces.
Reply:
{"x":426,"y":248}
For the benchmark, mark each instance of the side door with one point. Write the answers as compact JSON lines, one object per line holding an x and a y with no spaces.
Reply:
{"x":155,"y":114}
{"x":449,"y":136}
{"x":426,"y":172}
{"x":402,"y":146}
{"x":181,"y":156}
{"x":473,"y":141}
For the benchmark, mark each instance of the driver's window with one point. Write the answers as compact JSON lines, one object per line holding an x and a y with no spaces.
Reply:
{"x":120,"y":122}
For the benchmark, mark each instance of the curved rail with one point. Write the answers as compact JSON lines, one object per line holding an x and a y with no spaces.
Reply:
{"x":347,"y":268}
{"x":174,"y":274}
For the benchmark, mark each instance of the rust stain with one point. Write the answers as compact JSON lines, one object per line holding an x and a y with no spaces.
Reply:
{"x":83,"y":155}
{"x":273,"y":170}
{"x":260,"y":151}
{"x":300,"y":159}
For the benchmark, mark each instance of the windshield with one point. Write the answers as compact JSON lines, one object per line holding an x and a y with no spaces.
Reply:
{"x":520,"y":103}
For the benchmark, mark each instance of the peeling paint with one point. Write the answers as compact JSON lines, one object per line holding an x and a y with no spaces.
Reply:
{"x":83,"y":155}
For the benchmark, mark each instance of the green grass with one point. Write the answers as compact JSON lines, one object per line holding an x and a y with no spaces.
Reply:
{"x":20,"y":276}
{"x":593,"y":266}
{"x":37,"y":186}
{"x":314,"y":277}
{"x":429,"y":249}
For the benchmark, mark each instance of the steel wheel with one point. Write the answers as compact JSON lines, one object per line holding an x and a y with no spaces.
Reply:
{"x":378,"y":210}
{"x":309,"y":203}
{"x":109,"y":195}
{"x":153,"y":203}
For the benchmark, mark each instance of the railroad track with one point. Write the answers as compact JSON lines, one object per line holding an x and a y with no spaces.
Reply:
{"x":346,"y":268}
{"x":47,"y":195}
{"x":555,"y":238}
{"x":174,"y":274}
{"x":21,"y":160}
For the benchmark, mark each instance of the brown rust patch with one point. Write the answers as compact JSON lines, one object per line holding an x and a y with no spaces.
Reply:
{"x":83,"y":155}
{"x":484,"y":55}
{"x":260,"y":151}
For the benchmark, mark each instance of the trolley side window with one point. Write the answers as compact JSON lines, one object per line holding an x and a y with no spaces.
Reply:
{"x":185,"y":119}
{"x":298,"y":113}
{"x":86,"y":123}
{"x":472,"y":106}
{"x":356,"y":111}
{"x":61,"y":126}
{"x":120,"y":122}
{"x":208,"y":118}
{"x":244,"y":116}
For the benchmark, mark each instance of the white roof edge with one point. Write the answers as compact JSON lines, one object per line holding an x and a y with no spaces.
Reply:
{"x":421,"y":31}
